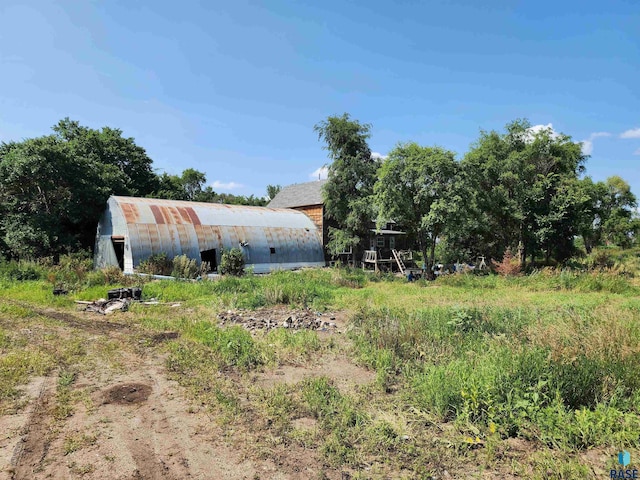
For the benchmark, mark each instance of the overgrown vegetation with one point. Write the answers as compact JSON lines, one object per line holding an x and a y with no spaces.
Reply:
{"x":463,"y":365}
{"x":232,"y":262}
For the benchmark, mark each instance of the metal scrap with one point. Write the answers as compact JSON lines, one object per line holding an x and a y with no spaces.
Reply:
{"x":104,"y":306}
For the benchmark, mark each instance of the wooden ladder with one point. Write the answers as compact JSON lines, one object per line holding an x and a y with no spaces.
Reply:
{"x":398,"y":261}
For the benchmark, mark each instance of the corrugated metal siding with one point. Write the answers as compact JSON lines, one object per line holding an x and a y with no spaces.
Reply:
{"x":152,"y":226}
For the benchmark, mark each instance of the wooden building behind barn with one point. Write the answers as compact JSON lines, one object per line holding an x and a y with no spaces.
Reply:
{"x":132,"y":229}
{"x":306,"y":198}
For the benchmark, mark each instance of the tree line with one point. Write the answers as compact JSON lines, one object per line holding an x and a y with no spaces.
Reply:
{"x":54,"y":188}
{"x":522,"y":190}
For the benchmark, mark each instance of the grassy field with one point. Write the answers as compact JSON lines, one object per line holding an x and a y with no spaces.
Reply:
{"x":468,"y":377}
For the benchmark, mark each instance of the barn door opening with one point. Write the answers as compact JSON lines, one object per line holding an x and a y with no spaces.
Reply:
{"x":118,"y":248}
{"x":210,"y":257}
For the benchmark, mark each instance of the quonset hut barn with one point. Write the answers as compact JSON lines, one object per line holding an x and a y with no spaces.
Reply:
{"x":132,"y":229}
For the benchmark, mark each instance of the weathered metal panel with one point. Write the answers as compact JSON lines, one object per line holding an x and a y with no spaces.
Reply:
{"x":174,"y":227}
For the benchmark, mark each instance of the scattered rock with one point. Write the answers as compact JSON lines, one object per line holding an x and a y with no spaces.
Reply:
{"x":268,"y":320}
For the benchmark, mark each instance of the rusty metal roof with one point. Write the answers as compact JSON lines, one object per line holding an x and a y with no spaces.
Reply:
{"x":176,"y":212}
{"x":270,"y":238}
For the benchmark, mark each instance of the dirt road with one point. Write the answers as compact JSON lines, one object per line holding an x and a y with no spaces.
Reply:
{"x":125,"y":419}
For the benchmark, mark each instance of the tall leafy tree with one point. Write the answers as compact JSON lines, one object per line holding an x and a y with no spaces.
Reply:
{"x":51,"y":199}
{"x":618,"y":204}
{"x":418,"y":188}
{"x":107,"y":147}
{"x":53,"y":188}
{"x":518,"y":180}
{"x":589,"y":218}
{"x":608,"y":216}
{"x":352,"y":174}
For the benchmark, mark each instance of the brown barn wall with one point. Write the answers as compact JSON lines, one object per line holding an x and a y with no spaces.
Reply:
{"x":314,"y":212}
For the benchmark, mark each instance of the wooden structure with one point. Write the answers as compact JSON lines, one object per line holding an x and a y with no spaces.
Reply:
{"x":306,"y":198}
{"x":399,"y":261}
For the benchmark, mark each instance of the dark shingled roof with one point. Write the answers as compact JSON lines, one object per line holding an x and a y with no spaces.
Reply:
{"x":299,"y":195}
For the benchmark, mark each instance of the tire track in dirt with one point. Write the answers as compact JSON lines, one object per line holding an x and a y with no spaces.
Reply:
{"x":164,"y":436}
{"x":35,"y":438}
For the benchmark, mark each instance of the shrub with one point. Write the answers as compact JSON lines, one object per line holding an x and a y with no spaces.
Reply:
{"x":21,"y":270}
{"x":72,"y":270}
{"x":156,"y":264}
{"x":232,"y":262}
{"x":600,"y":260}
{"x":509,"y":266}
{"x":113,"y":275}
{"x":185,"y":267}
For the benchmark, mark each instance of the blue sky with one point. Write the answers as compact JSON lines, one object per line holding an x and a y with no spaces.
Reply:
{"x":234,"y":88}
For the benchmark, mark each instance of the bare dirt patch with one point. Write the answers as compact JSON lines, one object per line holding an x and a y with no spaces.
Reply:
{"x":129,"y":421}
{"x":34,"y":438}
{"x":127,"y":393}
{"x":344,"y":373}
{"x":164,"y":337}
{"x":304,"y":423}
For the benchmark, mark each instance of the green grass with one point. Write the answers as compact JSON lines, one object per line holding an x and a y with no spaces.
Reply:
{"x":463,"y":365}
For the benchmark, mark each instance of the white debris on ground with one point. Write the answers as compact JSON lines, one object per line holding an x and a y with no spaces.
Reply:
{"x":104,"y":306}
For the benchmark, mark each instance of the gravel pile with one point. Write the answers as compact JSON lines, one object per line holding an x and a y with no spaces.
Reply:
{"x":298,"y":321}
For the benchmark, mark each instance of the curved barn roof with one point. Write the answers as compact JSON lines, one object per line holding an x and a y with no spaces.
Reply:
{"x":271,"y":238}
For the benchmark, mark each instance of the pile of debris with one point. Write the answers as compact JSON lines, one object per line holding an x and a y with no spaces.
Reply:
{"x":305,"y":320}
{"x":118,"y":299}
{"x":104,"y":306}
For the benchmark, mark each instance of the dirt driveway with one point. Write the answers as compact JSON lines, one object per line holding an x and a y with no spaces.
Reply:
{"x":122,"y":418}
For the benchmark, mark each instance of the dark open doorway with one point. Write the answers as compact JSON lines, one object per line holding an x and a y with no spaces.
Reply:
{"x":209,"y":256}
{"x":118,"y":248}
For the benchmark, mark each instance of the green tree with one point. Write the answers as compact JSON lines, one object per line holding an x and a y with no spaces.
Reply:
{"x":516,"y":181}
{"x":170,"y":187}
{"x":107,"y":147}
{"x":51,"y":200}
{"x":417,"y":187}
{"x":188,"y":186}
{"x":608,"y":216}
{"x":348,"y":191}
{"x":53,"y":189}
{"x":272,"y":191}
{"x":192,"y":183}
{"x":619,"y":225}
{"x":589,"y":218}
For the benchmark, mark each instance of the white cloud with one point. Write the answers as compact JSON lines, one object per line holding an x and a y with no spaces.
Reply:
{"x":319,"y":173}
{"x":531,"y":132}
{"x":218,"y":185}
{"x":637,"y":152}
{"x":538,"y":128}
{"x":633,"y":133}
{"x":378,"y":155}
{"x":587,"y":145}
